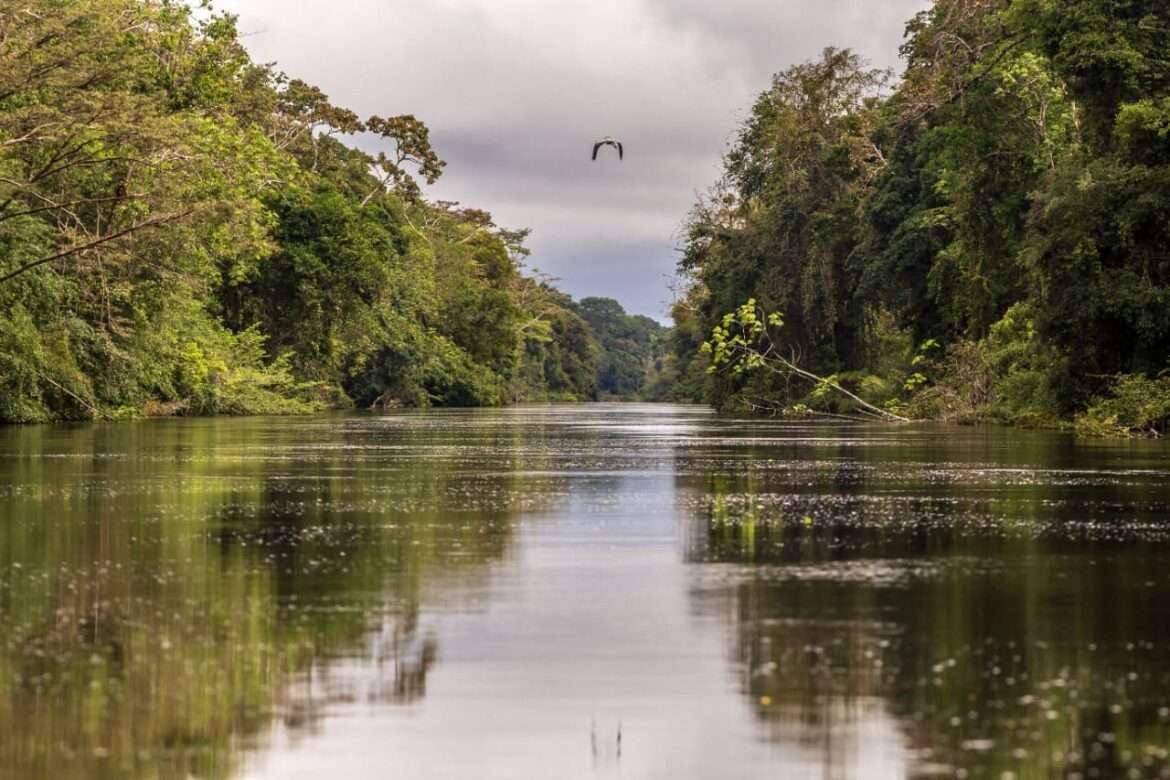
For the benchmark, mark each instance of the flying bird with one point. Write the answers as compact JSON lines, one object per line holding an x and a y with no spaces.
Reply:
{"x":609,"y":141}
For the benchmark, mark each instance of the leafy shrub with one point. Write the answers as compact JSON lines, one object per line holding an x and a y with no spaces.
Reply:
{"x":228,"y":375}
{"x":1134,"y":405}
{"x":1006,"y":377}
{"x":877,"y":390}
{"x":421,"y":368}
{"x":37,"y":372}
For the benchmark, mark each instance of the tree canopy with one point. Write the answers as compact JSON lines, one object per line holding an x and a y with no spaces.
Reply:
{"x":988,"y":237}
{"x":183,"y":231}
{"x":633,"y":347}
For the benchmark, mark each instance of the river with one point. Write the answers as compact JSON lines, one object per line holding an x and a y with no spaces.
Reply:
{"x":502,"y":593}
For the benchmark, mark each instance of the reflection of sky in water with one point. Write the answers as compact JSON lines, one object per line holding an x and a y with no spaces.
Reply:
{"x":591,"y":627}
{"x":490,"y":593}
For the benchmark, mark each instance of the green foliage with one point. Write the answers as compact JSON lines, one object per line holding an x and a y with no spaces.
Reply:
{"x":183,"y":231}
{"x":782,"y":223}
{"x":1143,"y":131}
{"x":1103,"y":272}
{"x":319,"y":294}
{"x":737,"y":342}
{"x":919,"y":364}
{"x":1008,"y":204}
{"x":228,"y":375}
{"x":1133,"y":405}
{"x":1007,"y":377}
{"x":681,"y":372}
{"x":37,"y":370}
{"x":744,"y":342}
{"x":632,"y":347}
{"x":561,"y":358}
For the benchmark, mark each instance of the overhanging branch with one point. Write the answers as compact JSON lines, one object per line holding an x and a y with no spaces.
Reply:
{"x":80,"y":248}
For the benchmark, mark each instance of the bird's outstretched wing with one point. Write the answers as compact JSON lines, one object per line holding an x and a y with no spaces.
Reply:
{"x":596,"y":146}
{"x":621,"y":151}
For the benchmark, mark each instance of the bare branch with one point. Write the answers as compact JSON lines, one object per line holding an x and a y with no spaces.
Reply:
{"x":70,"y":204}
{"x":149,"y":223}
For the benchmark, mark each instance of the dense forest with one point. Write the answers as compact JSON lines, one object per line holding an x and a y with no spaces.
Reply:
{"x":186,"y":231}
{"x":985,"y":238}
{"x":633,"y":349}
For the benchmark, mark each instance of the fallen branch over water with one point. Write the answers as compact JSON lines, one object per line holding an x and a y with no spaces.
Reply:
{"x":744,"y":343}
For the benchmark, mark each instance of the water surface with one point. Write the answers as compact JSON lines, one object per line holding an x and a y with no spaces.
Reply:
{"x":497,"y":593}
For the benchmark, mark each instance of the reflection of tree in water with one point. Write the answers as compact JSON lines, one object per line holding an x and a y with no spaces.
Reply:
{"x":394,"y":674}
{"x":805,"y":667}
{"x":1030,"y":647}
{"x":156,"y":613}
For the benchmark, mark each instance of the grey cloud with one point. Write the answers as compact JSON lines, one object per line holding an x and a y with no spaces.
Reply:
{"x":515,"y":91}
{"x":643,"y":268}
{"x":772,"y":35}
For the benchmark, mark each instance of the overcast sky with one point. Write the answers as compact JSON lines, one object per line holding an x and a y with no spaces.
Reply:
{"x":515,"y":92}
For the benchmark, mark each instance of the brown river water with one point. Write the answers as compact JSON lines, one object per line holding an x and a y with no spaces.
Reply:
{"x":500,"y":593}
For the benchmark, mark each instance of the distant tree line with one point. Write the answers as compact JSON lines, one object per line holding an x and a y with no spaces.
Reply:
{"x":986,"y":238}
{"x":633,"y":348}
{"x":186,"y":231}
